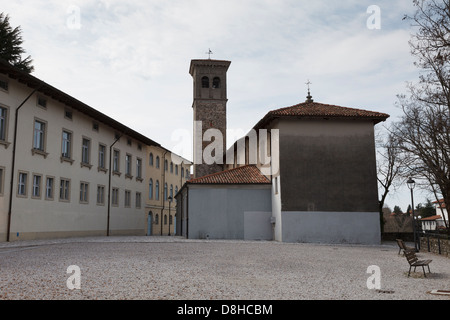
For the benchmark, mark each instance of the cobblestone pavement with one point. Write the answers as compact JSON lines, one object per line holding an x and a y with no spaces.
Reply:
{"x":173,"y":268}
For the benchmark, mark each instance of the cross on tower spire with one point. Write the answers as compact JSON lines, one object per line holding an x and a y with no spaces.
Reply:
{"x":209,"y":53}
{"x":309,"y":97}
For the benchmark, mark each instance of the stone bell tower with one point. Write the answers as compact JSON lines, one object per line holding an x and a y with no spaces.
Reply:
{"x":210,"y":111}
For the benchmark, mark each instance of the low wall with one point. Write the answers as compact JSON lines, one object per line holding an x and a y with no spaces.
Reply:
{"x":435,"y":245}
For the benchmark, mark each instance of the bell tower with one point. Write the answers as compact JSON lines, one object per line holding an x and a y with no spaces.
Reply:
{"x":210,"y":110}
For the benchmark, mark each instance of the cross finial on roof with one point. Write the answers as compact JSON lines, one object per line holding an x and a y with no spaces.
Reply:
{"x":309,"y":97}
{"x":209,"y":53}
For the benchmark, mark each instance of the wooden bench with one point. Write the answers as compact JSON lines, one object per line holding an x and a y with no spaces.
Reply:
{"x":414,"y":262}
{"x":402,"y":246}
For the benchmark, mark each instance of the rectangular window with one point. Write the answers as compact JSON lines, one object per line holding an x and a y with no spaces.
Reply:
{"x":138,"y":199}
{"x":3,"y":122}
{"x":49,"y":187}
{"x":2,"y":178}
{"x":39,"y":135}
{"x":84,"y":192}
{"x":127,"y":198}
{"x":42,"y":102}
{"x":66,"y":145}
{"x":101,"y":156}
{"x":128,"y":165}
{"x":64,"y":190}
{"x":138,"y":168}
{"x":4,"y":85}
{"x":115,"y":197}
{"x":116,"y":162}
{"x":85,"y":151}
{"x":36,"y":186}
{"x":22,"y":184}
{"x":100,"y":195}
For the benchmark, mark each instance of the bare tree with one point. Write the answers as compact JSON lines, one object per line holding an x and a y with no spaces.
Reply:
{"x":423,"y":133}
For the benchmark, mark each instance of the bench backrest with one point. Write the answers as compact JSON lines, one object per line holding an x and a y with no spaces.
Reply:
{"x":411,"y":257}
{"x":401,"y":244}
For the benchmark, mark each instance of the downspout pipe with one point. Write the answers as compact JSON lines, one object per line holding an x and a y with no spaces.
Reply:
{"x":13,"y":165}
{"x":109,"y":184}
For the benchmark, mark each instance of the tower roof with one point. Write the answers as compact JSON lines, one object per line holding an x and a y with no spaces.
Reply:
{"x":311,"y":109}
{"x":208,"y":63}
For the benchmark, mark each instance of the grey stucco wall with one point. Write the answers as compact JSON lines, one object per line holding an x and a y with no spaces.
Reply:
{"x":219,"y":211}
{"x":328,"y":165}
{"x":331,"y":227}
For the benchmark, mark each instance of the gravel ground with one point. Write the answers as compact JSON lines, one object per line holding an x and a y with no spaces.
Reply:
{"x":171,"y":268}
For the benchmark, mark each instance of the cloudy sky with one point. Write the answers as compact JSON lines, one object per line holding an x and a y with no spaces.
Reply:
{"x":130,"y":59}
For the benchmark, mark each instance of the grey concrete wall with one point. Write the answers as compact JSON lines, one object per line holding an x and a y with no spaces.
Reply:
{"x":328,"y":165}
{"x":219,"y":211}
{"x":332,"y":227}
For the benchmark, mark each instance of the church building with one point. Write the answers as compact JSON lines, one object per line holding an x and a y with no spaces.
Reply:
{"x":303,"y":173}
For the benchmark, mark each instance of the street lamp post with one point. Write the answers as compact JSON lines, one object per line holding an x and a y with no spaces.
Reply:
{"x":411,"y":184}
{"x":170,"y":204}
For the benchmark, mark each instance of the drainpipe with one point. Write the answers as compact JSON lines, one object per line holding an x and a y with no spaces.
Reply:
{"x":109,"y":183}
{"x":13,"y":165}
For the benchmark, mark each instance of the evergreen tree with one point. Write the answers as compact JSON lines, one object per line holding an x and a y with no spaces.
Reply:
{"x":11,"y":45}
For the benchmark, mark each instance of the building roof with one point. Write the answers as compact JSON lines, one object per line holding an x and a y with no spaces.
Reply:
{"x":311,"y":109}
{"x":440,"y":203}
{"x":431,"y":218}
{"x":249,"y":174}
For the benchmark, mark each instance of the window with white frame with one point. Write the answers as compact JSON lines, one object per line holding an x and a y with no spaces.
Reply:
{"x":101,"y":156}
{"x":36,"y":191}
{"x":128,"y":159}
{"x":84,"y":192}
{"x":115,"y":197}
{"x":39,"y":135}
{"x":49,"y":187}
{"x":100,"y":195}
{"x":116,"y":161}
{"x":22,"y":184}
{"x":86,"y":151}
{"x":138,"y":168}
{"x":66,"y":145}
{"x":64,"y":189}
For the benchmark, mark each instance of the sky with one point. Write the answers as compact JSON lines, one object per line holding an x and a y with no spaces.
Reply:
{"x":130,"y":59}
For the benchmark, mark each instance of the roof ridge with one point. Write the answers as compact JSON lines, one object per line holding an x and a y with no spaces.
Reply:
{"x":246,"y":174}
{"x":221,"y":172}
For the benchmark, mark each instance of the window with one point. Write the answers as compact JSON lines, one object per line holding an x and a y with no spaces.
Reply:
{"x":176,"y":169}
{"x":41,"y":102}
{"x":157,"y":190}
{"x":22,"y":184}
{"x":115,"y":197}
{"x":156,"y":218}
{"x":116,"y":162}
{"x":150,"y":161}
{"x":165,"y":192}
{"x":187,"y":174}
{"x":157,"y":162}
{"x":205,"y":82}
{"x":138,"y":199}
{"x":101,"y":156}
{"x":182,"y":172}
{"x":68,"y":114}
{"x":66,"y":152}
{"x":4,"y":85}
{"x":95,"y":126}
{"x":100,"y":195}
{"x":39,"y":136}
{"x":3,"y":122}
{"x":84,"y":192}
{"x":64,"y":190}
{"x":176,"y":190}
{"x":36,"y":186}
{"x":127,"y":198}
{"x":86,"y":151}
{"x":2,"y":177}
{"x":171,"y":191}
{"x":128,"y":159}
{"x":139,"y":169}
{"x":49,"y":188}
{"x":165,"y":219}
{"x":171,"y":167}
{"x":216,"y":83}
{"x":166,"y":165}
{"x":150,"y":189}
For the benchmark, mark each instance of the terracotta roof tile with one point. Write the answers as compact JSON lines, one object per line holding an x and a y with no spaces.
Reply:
{"x":249,"y":174}
{"x":321,"y":110}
